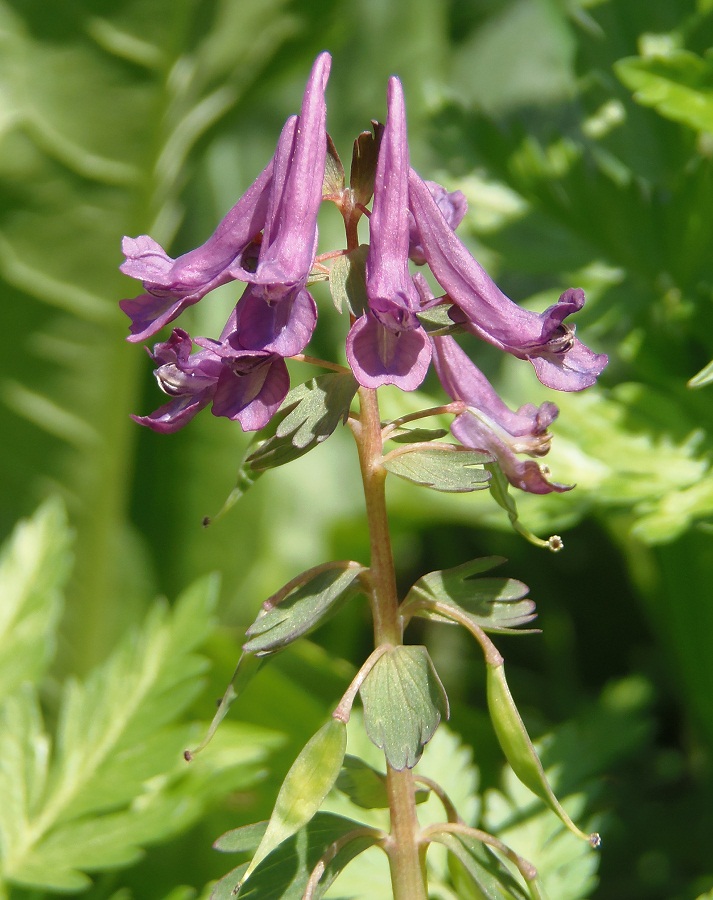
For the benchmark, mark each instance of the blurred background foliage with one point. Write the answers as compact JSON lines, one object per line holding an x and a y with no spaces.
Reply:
{"x":582,"y":133}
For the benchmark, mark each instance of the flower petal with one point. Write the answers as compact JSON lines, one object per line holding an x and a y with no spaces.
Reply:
{"x":253,"y":394}
{"x":282,"y":326}
{"x":489,"y":424}
{"x":490,"y":314}
{"x":290,"y":239}
{"x":175,"y":414}
{"x":388,"y":281}
{"x":379,"y":355}
{"x":452,"y":204}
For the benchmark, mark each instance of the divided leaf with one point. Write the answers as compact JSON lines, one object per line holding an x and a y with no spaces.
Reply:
{"x":305,"y":607}
{"x":495,"y":604}
{"x":404,"y":702}
{"x":34,"y":563}
{"x":677,"y":84}
{"x":309,"y":415}
{"x":441,"y":467}
{"x":95,"y":801}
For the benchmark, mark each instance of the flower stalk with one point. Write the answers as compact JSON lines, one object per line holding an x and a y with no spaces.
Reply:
{"x":406,"y":855}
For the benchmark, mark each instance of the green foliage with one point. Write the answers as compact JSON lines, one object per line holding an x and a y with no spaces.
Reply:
{"x":308,"y":782}
{"x":285,"y":873}
{"x":678,"y":84}
{"x":493,"y":604}
{"x":365,"y":786}
{"x":476,"y":870}
{"x":347,"y":281}
{"x":311,"y":599}
{"x":442,"y":467}
{"x":308,"y":416}
{"x":581,"y":142}
{"x":404,"y":701}
{"x":34,"y":565}
{"x":108,"y":779}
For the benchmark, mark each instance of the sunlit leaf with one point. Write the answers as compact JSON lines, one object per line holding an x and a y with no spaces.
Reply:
{"x":34,"y":564}
{"x":404,"y":702}
{"x":304,"y":608}
{"x":115,"y":781}
{"x":486,"y":876}
{"x":285,"y":872}
{"x":442,"y":467}
{"x":495,"y":604}
{"x":308,"y":782}
{"x":676,"y":83}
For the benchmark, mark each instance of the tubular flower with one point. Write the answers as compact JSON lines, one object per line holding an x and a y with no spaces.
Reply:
{"x":560,"y":360}
{"x":452,"y":204}
{"x":488,"y":424}
{"x":387,"y":344}
{"x":283,"y":202}
{"x":244,"y":385}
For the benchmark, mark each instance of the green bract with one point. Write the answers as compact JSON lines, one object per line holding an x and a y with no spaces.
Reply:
{"x":494,"y":604}
{"x":303,"y":608}
{"x":404,"y":701}
{"x":442,"y":467}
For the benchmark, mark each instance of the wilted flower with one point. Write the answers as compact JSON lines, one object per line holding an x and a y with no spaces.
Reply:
{"x":488,"y":424}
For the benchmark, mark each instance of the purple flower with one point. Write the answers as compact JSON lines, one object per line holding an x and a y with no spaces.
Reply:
{"x":283,"y":202}
{"x":243,"y":385}
{"x":174,"y":285}
{"x":488,"y":424}
{"x":387,"y":344}
{"x":282,"y":326}
{"x":560,"y":360}
{"x":452,"y":204}
{"x":289,"y":243}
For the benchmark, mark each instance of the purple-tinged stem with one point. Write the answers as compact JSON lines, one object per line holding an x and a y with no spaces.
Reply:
{"x":405,"y":851}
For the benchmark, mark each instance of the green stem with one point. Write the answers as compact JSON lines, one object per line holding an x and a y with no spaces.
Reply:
{"x":406,"y":854}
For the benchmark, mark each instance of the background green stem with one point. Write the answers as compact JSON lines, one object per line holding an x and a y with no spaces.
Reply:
{"x":406,"y":860}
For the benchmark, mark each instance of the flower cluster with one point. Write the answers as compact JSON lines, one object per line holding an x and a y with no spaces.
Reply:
{"x":268,"y":240}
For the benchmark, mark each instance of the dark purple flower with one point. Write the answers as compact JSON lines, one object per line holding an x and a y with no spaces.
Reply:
{"x":488,"y":424}
{"x":387,"y":344}
{"x":283,"y":202}
{"x":244,"y":385}
{"x":561,"y":361}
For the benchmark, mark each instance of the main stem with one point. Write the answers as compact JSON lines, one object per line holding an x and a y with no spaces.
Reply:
{"x":406,"y":857}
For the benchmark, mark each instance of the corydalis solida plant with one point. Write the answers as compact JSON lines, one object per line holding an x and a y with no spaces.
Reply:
{"x":397,"y":327}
